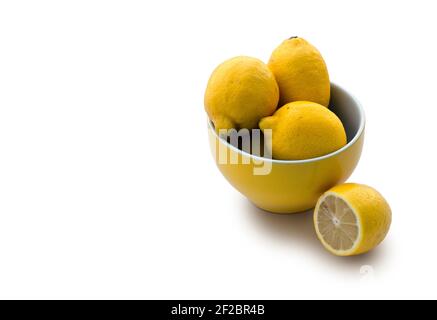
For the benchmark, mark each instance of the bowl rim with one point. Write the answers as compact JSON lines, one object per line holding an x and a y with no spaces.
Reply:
{"x":326,"y":156}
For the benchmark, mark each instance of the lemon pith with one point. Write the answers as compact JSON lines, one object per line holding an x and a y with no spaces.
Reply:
{"x":351,"y":219}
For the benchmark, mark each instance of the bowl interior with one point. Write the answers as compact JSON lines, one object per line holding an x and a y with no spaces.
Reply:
{"x":348,"y":109}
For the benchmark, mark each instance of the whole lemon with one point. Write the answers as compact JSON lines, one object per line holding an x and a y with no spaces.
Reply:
{"x":351,"y":219}
{"x":301,"y":72}
{"x":240,"y":92}
{"x":303,"y":130}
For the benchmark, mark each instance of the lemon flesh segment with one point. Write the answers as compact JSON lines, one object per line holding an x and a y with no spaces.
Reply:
{"x":337,"y":224}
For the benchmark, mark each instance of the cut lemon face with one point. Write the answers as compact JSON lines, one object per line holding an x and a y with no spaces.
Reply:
{"x":337,"y":224}
{"x":351,"y":219}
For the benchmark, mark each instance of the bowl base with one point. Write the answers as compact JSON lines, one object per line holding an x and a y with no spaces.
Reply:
{"x":282,"y":211}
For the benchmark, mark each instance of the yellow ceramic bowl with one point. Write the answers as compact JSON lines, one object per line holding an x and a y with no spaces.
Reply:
{"x":293,"y":186}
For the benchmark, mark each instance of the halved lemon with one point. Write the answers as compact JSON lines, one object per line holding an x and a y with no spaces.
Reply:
{"x":351,"y":219}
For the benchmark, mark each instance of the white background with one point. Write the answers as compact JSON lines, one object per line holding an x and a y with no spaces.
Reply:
{"x":107,"y":185}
